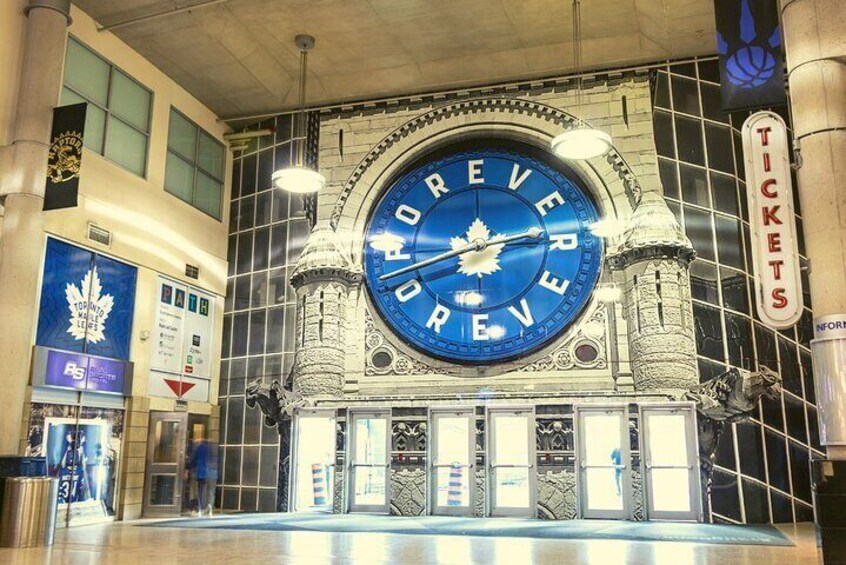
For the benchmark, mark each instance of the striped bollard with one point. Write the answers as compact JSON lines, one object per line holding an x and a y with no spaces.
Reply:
{"x":455,"y":486}
{"x":318,"y":482}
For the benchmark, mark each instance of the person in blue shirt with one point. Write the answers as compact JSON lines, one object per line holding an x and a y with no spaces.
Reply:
{"x":204,"y":467}
{"x":616,"y":460}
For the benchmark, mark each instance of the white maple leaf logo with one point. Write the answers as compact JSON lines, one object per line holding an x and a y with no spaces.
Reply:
{"x":88,"y":309}
{"x":479,"y":263}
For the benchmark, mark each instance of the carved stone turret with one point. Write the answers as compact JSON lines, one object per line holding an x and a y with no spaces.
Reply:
{"x":654,"y":258}
{"x":323,"y":279}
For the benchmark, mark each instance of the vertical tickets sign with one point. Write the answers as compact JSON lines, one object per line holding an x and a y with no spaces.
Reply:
{"x":770,"y":193}
{"x":182,"y":348}
{"x":65,"y":157}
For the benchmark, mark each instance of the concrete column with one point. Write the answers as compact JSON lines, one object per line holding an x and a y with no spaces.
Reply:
{"x":22,"y":238}
{"x":814,"y":32}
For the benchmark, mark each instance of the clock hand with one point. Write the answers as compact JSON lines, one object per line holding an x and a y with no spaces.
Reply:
{"x":475,"y":245}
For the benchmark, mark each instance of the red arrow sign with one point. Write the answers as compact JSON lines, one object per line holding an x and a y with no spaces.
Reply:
{"x":179,"y":388}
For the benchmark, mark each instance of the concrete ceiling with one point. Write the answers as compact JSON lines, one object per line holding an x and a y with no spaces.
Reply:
{"x":238,"y":56}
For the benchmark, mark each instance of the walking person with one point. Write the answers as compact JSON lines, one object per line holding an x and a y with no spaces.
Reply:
{"x":204,"y":469}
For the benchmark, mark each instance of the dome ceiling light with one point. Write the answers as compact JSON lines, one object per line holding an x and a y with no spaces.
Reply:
{"x":582,"y":141}
{"x":300,"y":178}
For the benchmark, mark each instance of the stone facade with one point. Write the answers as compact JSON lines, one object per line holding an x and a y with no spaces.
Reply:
{"x":347,"y":356}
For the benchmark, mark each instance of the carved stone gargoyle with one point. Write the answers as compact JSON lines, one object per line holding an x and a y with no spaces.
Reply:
{"x":276,"y":402}
{"x":729,"y":397}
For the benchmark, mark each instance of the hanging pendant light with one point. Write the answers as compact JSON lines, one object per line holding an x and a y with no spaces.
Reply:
{"x":583,"y":141}
{"x":300,"y":178}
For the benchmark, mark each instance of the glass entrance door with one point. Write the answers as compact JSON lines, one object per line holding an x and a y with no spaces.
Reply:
{"x":369,"y":460}
{"x":313,"y":466}
{"x":671,"y":462}
{"x":165,"y":463}
{"x":452,"y":461}
{"x":603,"y":458}
{"x":511,"y":462}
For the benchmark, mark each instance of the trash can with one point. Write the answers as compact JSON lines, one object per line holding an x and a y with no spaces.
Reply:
{"x":28,"y":511}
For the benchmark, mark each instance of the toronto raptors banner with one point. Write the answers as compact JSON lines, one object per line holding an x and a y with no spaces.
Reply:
{"x":65,"y":157}
{"x":770,"y":193}
{"x":751,"y":57}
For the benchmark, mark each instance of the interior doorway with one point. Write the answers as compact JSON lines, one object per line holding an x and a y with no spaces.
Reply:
{"x":511,"y":462}
{"x":313,"y":469}
{"x":369,"y":460}
{"x":671,"y":462}
{"x":603,"y":460}
{"x":452,"y":461}
{"x":163,"y":484}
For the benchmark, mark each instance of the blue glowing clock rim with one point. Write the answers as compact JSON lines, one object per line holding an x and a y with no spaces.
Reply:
{"x":449,"y":216}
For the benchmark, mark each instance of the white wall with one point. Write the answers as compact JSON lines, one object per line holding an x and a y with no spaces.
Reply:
{"x":150,"y":228}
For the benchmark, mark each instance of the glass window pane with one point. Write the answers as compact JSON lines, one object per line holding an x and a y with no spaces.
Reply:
{"x":179,"y":177}
{"x":734,"y":290}
{"x":724,"y":193}
{"x":703,"y":282}
{"x":512,"y":487}
{"x":167,"y":439}
{"x":86,"y":73}
{"x":694,"y":185}
{"x":259,"y":290}
{"x":670,"y":490}
{"x":453,"y":486}
{"x":685,"y":96}
{"x":263,"y":200}
{"x":262,"y":240}
{"x":510,"y":434}
{"x":603,"y":441}
{"x":603,"y":488}
{"x":257,"y":332}
{"x":729,"y":243}
{"x":130,"y":101}
{"x":95,"y":128}
{"x":739,"y":335}
{"x":661,"y":97}
{"x":669,"y":178}
{"x":697,"y":225}
{"x":250,"y":463}
{"x":207,"y":195}
{"x":126,"y":146}
{"x":95,"y":120}
{"x":689,"y":132}
{"x":720,"y":153}
{"x":453,"y":440}
{"x":182,"y":136}
{"x":664,"y":142}
{"x":711,"y":103}
{"x":370,"y":440}
{"x":667,"y":440}
{"x":276,"y":287}
{"x":210,"y":158}
{"x":709,"y":331}
{"x":269,"y":466}
{"x":275,"y":329}
{"x":370,"y":485}
{"x":239,"y":336}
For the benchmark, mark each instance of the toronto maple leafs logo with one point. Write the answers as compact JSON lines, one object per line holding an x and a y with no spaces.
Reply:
{"x":484,"y":261}
{"x":89,"y":308}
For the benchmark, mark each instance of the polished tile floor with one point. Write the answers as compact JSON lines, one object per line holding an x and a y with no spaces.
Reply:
{"x":126,"y":544}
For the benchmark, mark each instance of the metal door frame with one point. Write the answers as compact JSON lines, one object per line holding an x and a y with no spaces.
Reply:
{"x":300,"y":413}
{"x":161,"y":510}
{"x":468,"y":412}
{"x":625,"y":458}
{"x":352,"y":414}
{"x":692,"y":443}
{"x":490,"y":467}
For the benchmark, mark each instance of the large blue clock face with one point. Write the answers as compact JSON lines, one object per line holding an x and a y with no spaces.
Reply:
{"x":482,"y":256}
